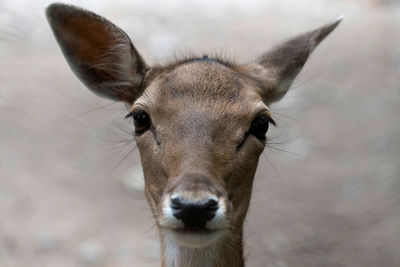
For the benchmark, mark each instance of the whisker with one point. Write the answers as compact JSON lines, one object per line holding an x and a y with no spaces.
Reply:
{"x":92,"y":110}
{"x":312,"y":77}
{"x":124,"y":158}
{"x":272,"y":166}
{"x":286,"y":151}
{"x":285,"y":116}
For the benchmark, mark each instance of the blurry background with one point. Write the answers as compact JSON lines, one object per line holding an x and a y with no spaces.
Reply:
{"x":327,"y":191}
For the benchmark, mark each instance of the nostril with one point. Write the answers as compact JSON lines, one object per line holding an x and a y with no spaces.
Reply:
{"x":211,"y":205}
{"x":194,"y":214}
{"x":176,"y":203}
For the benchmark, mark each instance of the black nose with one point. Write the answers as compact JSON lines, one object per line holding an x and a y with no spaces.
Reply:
{"x":194,"y":215}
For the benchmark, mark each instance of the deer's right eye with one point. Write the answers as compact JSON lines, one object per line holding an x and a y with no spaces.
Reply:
{"x":141,"y":120}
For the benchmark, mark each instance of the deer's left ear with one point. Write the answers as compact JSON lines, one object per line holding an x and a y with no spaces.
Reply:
{"x":276,"y":69}
{"x":100,"y":54}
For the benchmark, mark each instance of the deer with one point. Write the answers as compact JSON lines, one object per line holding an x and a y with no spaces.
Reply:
{"x":200,"y":125}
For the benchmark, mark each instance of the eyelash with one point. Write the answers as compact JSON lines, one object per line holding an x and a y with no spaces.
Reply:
{"x":141,"y":120}
{"x":258,"y":128}
{"x":254,"y":129}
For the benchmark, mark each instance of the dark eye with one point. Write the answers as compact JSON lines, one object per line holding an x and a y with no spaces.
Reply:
{"x":259,"y":126}
{"x":141,"y":120}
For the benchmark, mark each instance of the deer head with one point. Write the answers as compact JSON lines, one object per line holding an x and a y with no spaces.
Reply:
{"x":200,"y":125}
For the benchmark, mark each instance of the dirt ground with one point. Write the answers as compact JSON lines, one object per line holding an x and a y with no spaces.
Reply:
{"x":327,"y":191}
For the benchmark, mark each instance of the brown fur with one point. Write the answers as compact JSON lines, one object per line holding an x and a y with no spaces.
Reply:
{"x":200,"y":110}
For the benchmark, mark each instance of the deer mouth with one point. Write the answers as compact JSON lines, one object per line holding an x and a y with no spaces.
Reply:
{"x":194,"y":238}
{"x":198,"y":231}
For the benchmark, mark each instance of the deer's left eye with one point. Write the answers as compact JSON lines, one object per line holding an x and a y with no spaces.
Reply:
{"x":141,"y":120}
{"x":259,"y":126}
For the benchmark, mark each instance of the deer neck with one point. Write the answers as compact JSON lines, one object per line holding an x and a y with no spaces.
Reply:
{"x":224,"y":253}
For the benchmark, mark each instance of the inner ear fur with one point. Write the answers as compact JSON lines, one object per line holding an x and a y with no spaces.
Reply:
{"x":99,"y":53}
{"x":276,"y":69}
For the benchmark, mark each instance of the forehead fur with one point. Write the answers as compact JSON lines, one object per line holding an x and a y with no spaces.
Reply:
{"x":201,"y":80}
{"x":200,"y":83}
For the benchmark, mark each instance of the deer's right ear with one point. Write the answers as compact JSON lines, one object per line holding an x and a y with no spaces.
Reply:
{"x":99,"y":53}
{"x":277,"y":68}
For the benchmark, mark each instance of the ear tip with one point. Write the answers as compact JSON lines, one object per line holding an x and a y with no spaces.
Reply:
{"x":322,"y":32}
{"x":56,"y":10}
{"x":338,"y":20}
{"x":331,"y":26}
{"x":53,"y":10}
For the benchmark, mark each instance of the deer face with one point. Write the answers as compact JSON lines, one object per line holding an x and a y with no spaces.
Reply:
{"x":200,"y":123}
{"x":202,"y":127}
